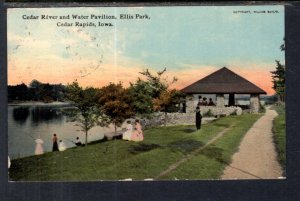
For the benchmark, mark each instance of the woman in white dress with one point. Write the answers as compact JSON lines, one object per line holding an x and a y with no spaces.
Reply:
{"x":127,"y":134}
{"x":39,"y":146}
{"x":61,"y":146}
{"x":138,"y":134}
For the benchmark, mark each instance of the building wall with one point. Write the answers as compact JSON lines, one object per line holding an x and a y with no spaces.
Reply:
{"x":189,"y":117}
{"x":254,"y":103}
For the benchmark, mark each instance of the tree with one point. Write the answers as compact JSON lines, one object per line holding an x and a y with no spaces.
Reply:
{"x":163,"y":99}
{"x":18,"y":92}
{"x":144,"y":91}
{"x":278,"y":79}
{"x":36,"y":88}
{"x":282,"y":46}
{"x":46,"y":93}
{"x":86,"y":112}
{"x":142,"y":95}
{"x":158,"y":83}
{"x":115,"y":102}
{"x":168,"y":101}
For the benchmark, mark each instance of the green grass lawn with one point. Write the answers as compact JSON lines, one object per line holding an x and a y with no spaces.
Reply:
{"x":280,"y":135}
{"x":117,"y":159}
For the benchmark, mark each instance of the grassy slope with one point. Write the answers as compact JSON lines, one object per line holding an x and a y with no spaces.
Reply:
{"x":280,"y":135}
{"x":121,"y":159}
{"x":210,"y":163}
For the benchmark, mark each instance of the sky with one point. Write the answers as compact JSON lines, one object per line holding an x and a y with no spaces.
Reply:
{"x":191,"y":42}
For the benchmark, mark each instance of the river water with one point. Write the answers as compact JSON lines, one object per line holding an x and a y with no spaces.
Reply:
{"x":28,"y":122}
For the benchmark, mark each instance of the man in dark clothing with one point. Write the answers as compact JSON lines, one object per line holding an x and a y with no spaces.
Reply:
{"x":55,"y":145}
{"x":198,"y":118}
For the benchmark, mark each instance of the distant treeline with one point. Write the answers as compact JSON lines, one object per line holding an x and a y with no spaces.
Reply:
{"x":36,"y":91}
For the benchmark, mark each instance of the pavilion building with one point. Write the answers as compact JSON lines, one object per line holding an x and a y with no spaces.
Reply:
{"x":219,"y":83}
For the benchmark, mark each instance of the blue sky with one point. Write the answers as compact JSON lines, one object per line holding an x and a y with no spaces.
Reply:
{"x":179,"y":38}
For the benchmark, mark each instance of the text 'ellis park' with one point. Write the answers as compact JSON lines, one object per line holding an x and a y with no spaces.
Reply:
{"x":85,"y":17}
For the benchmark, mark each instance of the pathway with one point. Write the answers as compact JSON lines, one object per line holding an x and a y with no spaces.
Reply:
{"x":189,"y":156}
{"x":257,"y":157}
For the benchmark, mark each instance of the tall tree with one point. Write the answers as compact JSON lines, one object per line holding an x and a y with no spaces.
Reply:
{"x":115,"y":101}
{"x":278,"y":79}
{"x":86,"y":113}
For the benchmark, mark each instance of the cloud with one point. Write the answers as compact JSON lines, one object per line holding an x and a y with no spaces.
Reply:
{"x":17,"y":42}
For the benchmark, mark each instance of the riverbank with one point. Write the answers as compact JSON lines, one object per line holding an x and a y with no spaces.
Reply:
{"x":118,"y":159}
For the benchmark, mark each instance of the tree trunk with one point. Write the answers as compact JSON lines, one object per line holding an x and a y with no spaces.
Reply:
{"x":115,"y":129}
{"x":86,"y":137}
{"x":165,"y":119}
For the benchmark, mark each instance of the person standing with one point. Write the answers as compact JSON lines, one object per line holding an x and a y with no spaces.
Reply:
{"x":137,"y":135}
{"x":198,"y":118}
{"x":127,"y":134}
{"x":39,"y":146}
{"x":55,"y":145}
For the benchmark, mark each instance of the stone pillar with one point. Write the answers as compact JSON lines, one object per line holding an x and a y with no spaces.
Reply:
{"x":231,"y":101}
{"x":220,"y":100}
{"x":254,"y":103}
{"x":190,"y":108}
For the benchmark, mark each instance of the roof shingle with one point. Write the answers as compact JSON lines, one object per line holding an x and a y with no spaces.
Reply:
{"x":223,"y":81}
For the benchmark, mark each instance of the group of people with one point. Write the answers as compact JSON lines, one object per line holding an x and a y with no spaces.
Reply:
{"x":58,"y":145}
{"x":203,"y":101}
{"x":133,"y":133}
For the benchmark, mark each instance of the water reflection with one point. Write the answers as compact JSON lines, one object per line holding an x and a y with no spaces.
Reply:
{"x":42,"y":115}
{"x":20,"y":114}
{"x":28,"y":122}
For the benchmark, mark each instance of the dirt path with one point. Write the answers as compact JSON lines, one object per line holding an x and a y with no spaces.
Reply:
{"x":189,"y":156}
{"x":257,"y":157}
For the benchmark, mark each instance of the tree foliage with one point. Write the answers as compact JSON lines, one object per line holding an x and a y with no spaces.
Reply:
{"x":282,"y":46}
{"x":157,"y":82}
{"x":36,"y":91}
{"x":168,"y":101}
{"x":142,"y":95}
{"x":86,"y":113}
{"x":115,"y":101}
{"x":278,"y":79}
{"x":144,"y":91}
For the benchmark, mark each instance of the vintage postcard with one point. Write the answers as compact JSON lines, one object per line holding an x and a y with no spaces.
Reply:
{"x":146,"y":93}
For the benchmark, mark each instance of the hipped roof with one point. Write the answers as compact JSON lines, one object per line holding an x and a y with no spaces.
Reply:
{"x":223,"y":81}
